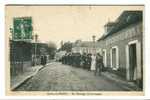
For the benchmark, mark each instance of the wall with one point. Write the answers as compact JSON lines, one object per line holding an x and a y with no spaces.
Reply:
{"x":121,"y":39}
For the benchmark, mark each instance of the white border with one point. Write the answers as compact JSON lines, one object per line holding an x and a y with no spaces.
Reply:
{"x":146,"y":46}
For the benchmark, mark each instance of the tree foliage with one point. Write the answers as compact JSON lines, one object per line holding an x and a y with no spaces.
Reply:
{"x":51,"y":49}
{"x":67,"y":46}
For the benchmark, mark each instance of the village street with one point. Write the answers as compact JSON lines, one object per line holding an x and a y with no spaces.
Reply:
{"x":58,"y":77}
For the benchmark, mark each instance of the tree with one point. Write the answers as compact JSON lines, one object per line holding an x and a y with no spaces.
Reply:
{"x":67,"y":46}
{"x":51,"y":49}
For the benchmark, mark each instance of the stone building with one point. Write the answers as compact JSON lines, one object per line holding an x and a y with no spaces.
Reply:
{"x":122,"y":46}
{"x":85,"y":47}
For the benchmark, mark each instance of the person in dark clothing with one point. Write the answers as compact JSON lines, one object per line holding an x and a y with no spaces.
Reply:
{"x":84,"y":59}
{"x":63,"y":59}
{"x":99,"y":64}
{"x":79,"y":60}
{"x":89,"y":59}
{"x":43,"y":60}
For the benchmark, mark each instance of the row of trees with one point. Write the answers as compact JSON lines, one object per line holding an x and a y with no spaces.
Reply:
{"x":52,"y":48}
{"x":67,"y":46}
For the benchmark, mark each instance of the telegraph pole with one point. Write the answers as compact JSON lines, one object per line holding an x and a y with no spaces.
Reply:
{"x":94,"y":51}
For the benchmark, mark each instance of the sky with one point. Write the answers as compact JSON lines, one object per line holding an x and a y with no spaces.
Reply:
{"x":66,"y":23}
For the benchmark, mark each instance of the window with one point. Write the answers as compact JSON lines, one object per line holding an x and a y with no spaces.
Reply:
{"x":114,"y":58}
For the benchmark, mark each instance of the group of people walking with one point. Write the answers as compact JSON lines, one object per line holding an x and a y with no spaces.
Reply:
{"x":43,"y":60}
{"x":88,"y":61}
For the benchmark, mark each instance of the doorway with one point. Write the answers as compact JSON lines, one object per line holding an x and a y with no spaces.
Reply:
{"x":132,"y":62}
{"x":114,"y":57}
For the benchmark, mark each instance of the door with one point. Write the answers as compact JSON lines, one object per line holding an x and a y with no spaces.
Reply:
{"x":132,"y":61}
{"x":114,"y":57}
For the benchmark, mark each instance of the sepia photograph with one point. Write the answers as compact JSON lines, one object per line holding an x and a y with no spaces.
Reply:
{"x":74,"y":49}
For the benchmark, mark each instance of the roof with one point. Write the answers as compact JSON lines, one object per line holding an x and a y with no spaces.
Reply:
{"x":125,"y":19}
{"x":109,"y":24}
{"x":86,"y":44}
{"x":83,"y":44}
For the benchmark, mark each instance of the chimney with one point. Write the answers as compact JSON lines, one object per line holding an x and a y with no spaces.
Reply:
{"x":93,"y":37}
{"x":108,"y":26}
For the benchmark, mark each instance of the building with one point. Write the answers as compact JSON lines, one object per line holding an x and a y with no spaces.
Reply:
{"x":25,"y":54}
{"x":85,"y":47}
{"x":122,"y":46}
{"x":39,"y":49}
{"x":20,"y":56}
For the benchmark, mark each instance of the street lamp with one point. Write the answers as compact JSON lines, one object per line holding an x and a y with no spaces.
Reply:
{"x":93,"y":37}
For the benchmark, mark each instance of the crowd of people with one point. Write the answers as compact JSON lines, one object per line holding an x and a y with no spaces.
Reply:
{"x":85,"y":61}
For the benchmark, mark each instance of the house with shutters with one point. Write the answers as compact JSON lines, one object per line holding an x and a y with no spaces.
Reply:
{"x":122,"y":46}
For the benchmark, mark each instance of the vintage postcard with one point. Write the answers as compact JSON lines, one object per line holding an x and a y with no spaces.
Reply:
{"x":74,"y":50}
